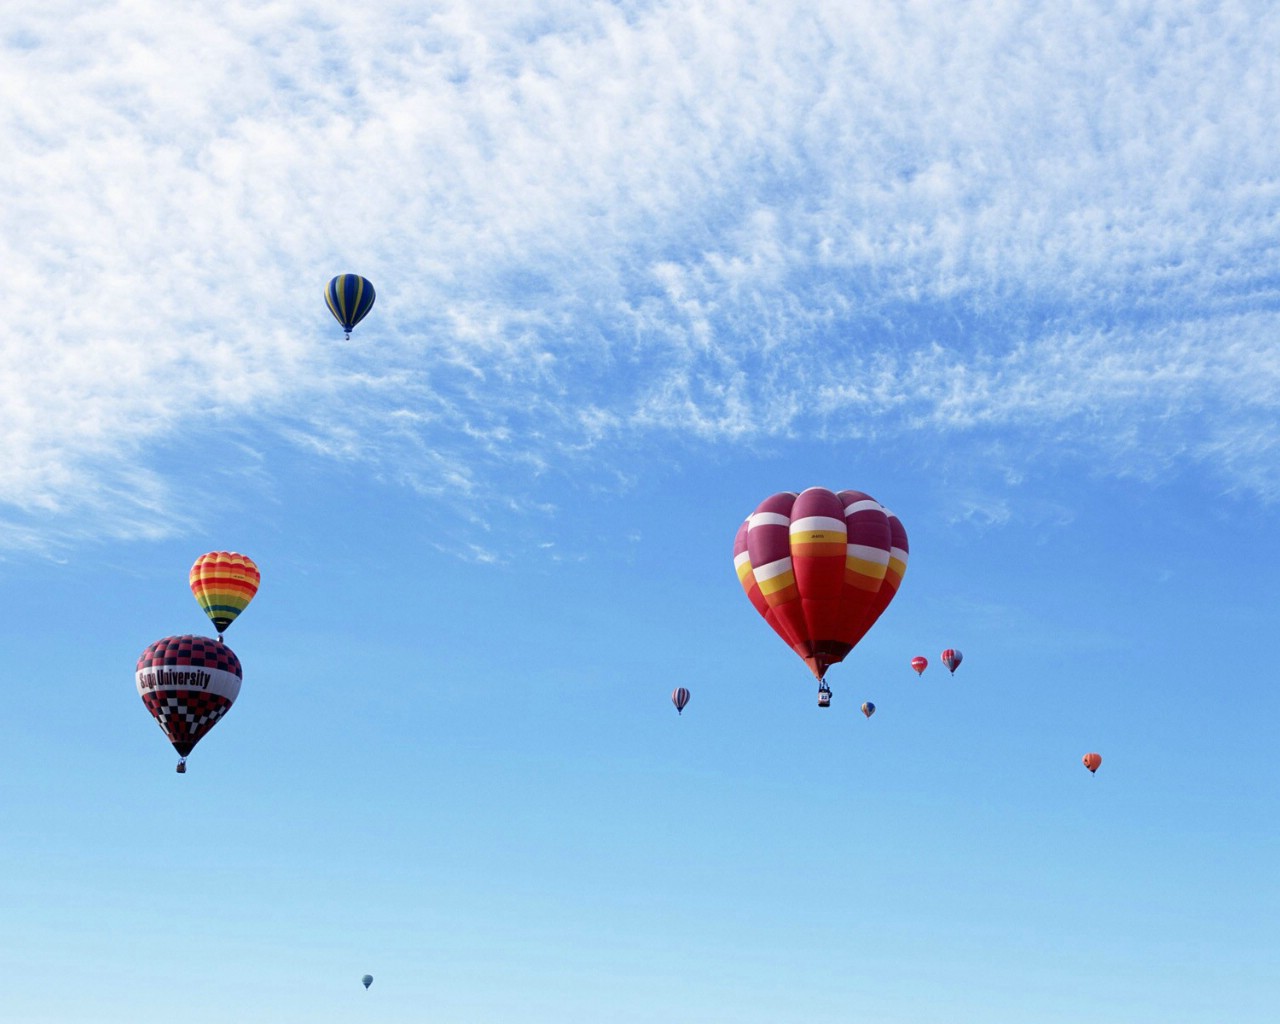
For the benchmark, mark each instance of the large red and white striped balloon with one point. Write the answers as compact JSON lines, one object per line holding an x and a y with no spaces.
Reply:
{"x":821,"y":567}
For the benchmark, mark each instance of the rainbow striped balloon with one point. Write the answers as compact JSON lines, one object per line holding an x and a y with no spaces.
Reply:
{"x":224,"y":583}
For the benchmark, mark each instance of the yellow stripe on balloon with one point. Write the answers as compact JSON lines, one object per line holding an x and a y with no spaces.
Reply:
{"x":898,"y":563}
{"x":864,"y":567}
{"x":832,"y":549}
{"x":774,"y":584}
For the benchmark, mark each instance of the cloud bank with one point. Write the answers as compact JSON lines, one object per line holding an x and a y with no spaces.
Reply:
{"x":598,"y":226}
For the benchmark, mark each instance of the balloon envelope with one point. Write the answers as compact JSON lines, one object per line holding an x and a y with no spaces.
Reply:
{"x":679,"y":697}
{"x":188,"y":683}
{"x":952,"y":659}
{"x":224,"y":583}
{"x":368,"y":980}
{"x":349,"y":297}
{"x":868,"y":709}
{"x":821,"y":567}
{"x":919,"y":664}
{"x":1092,"y":761}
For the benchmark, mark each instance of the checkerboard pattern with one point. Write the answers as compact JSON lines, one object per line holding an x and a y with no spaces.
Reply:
{"x":185,"y":715}
{"x":197,"y":651}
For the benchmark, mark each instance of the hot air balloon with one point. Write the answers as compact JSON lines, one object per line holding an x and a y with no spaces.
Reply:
{"x":821,"y":567}
{"x":919,"y":664}
{"x":679,"y":697}
{"x":868,"y":709}
{"x":224,"y":583}
{"x":368,"y":980}
{"x":952,"y":659}
{"x":1091,"y":761}
{"x":350,"y":297}
{"x":188,"y":683}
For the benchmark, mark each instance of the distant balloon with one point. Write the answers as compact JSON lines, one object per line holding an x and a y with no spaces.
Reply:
{"x":679,"y":697}
{"x":349,"y":297}
{"x":188,"y":683}
{"x":821,"y":567}
{"x":919,"y":664}
{"x":224,"y":583}
{"x":1092,"y":761}
{"x":368,"y":980}
{"x":952,"y":659}
{"x":868,"y":709}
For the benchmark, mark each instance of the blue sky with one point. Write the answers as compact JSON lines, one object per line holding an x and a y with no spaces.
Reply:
{"x":1009,"y":268}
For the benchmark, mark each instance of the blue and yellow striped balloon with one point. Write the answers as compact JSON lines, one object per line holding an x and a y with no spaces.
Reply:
{"x":350,"y":297}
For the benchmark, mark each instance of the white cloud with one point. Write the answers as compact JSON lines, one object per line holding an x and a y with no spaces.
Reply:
{"x":590,"y":223}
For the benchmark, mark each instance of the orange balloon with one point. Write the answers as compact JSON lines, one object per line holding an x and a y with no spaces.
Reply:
{"x":1091,"y":761}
